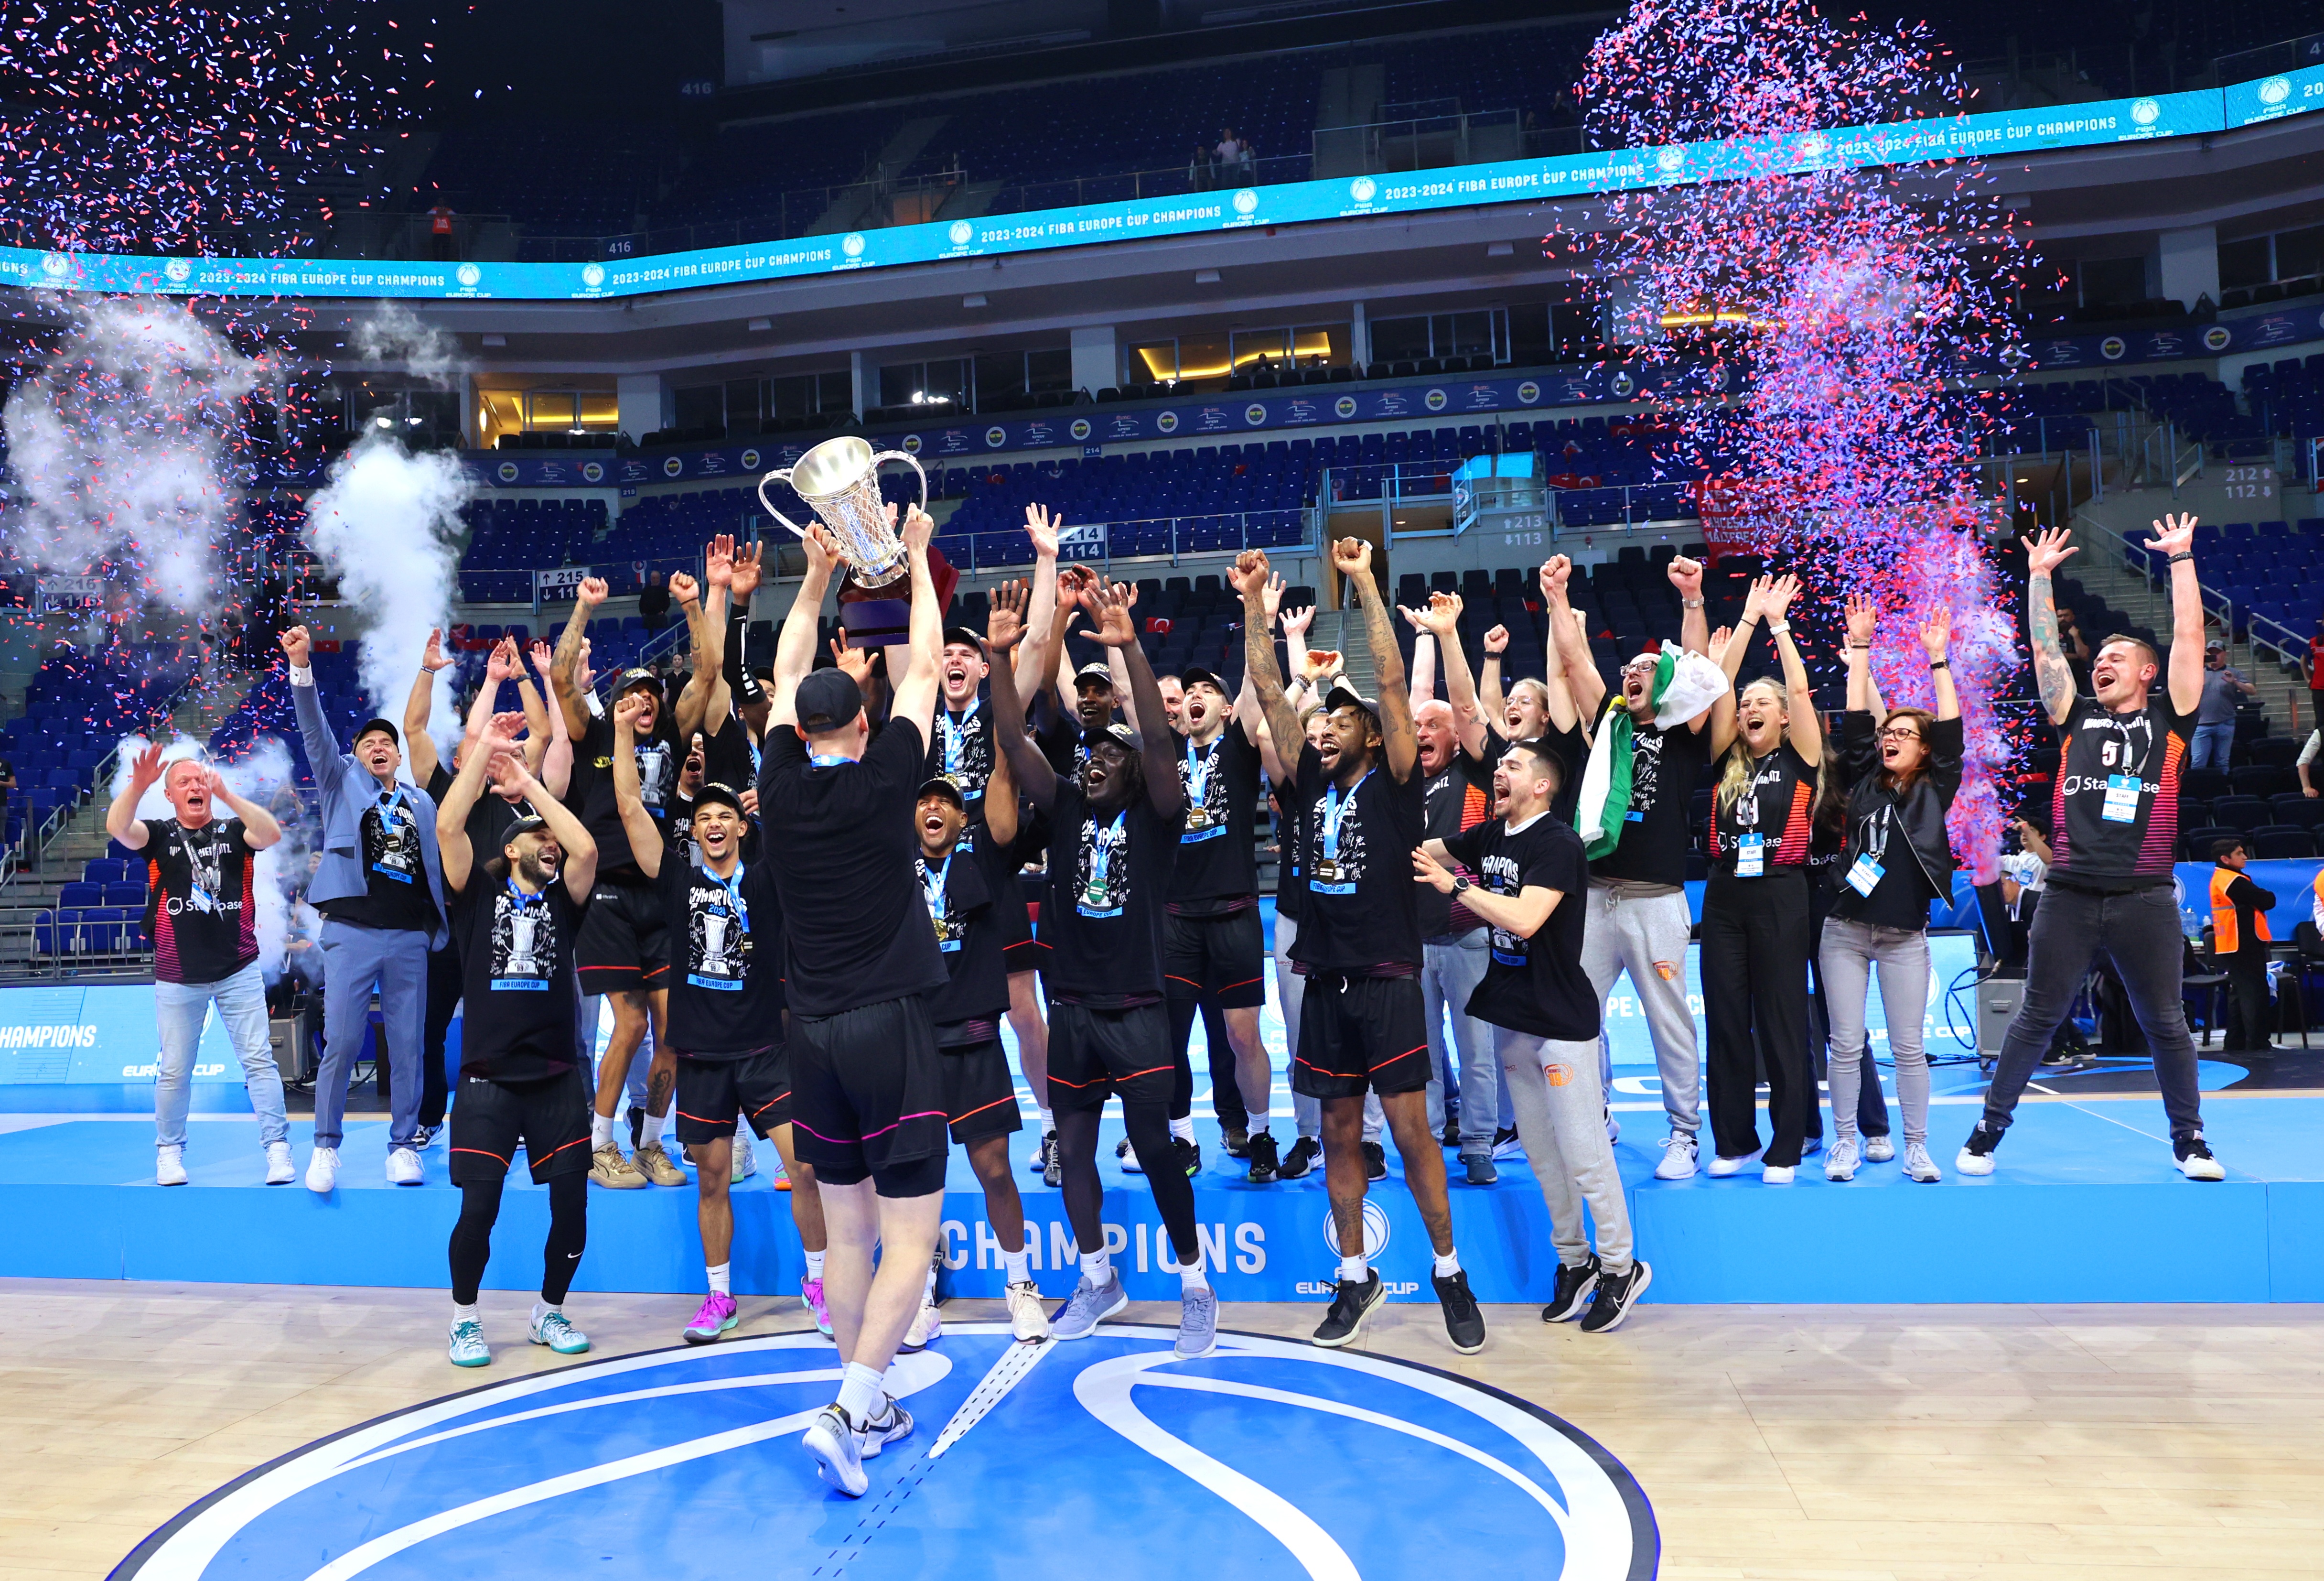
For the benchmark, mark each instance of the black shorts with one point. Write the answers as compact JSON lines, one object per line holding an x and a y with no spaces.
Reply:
{"x":624,"y":946}
{"x":1223,"y":958}
{"x":867,"y":1095}
{"x":711,"y":1093}
{"x":549,"y":1117}
{"x":1097,"y":1054}
{"x":979,"y":1098}
{"x":1359,"y":1035}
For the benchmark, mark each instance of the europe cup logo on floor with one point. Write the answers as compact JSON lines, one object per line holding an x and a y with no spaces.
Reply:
{"x":1271,"y":1458}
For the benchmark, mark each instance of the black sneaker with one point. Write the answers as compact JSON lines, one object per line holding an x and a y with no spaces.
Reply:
{"x":1976,"y":1155}
{"x":1572,"y":1293}
{"x":1375,"y":1161}
{"x":1462,"y":1319}
{"x":1264,"y":1164}
{"x":1053,"y":1163}
{"x":1506,"y":1144}
{"x":1237,"y":1140}
{"x":1617,"y":1294}
{"x":1481,"y":1170}
{"x":2195,"y":1159}
{"x":1040,"y":1159}
{"x":424,"y":1135}
{"x":637,"y":1125}
{"x":1301,"y":1159}
{"x":1452,"y":1131}
{"x":1351,"y":1305}
{"x":1190,"y":1156}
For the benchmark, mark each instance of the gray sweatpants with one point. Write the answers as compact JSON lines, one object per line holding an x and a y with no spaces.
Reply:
{"x":1850,"y":952}
{"x":1290,"y":992}
{"x":354,"y":958}
{"x":1646,"y":938}
{"x":1561,"y":1118}
{"x":1451,"y":968}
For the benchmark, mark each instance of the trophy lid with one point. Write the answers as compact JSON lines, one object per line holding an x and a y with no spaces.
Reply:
{"x":831,"y":466}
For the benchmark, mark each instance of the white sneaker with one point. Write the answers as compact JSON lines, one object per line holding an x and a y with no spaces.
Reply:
{"x":323,"y":1170}
{"x":746,"y":1157}
{"x":1839,"y":1163}
{"x":1878,"y":1150}
{"x":1027,"y":1320}
{"x":1722,"y":1166}
{"x":1613,"y":1127}
{"x":1919,"y":1166}
{"x":1128,"y":1155}
{"x":280,"y":1171}
{"x":1811,"y":1145}
{"x":1678,"y":1156}
{"x":168,"y":1166}
{"x":838,"y":1453}
{"x":403,"y":1168}
{"x":927,"y":1325}
{"x":1779,"y":1174}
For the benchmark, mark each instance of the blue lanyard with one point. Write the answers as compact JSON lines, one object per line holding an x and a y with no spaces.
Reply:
{"x":525,"y":901}
{"x":828,"y":759}
{"x":932,"y":881}
{"x":1199,"y":762}
{"x":733,"y":888}
{"x":955,"y":735}
{"x":1337,"y":809}
{"x":1101,"y":845}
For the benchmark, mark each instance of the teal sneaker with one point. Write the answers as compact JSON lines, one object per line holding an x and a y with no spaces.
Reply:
{"x":468,"y":1346}
{"x":557,"y":1331}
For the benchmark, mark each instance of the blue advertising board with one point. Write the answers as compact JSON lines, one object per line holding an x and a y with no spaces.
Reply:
{"x":1999,"y":133}
{"x":93,"y":1049}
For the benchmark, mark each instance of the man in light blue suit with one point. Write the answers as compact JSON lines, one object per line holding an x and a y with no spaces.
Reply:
{"x":380,"y":887}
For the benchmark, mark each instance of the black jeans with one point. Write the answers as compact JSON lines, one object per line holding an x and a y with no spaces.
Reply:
{"x":2140,"y":934}
{"x":2251,"y":1014}
{"x":1755,"y":978}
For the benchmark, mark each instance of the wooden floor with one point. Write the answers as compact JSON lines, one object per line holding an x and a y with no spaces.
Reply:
{"x":1917,"y":1443}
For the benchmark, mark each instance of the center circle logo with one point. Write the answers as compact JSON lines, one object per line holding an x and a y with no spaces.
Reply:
{"x":1435,"y":400}
{"x":1255,"y":413}
{"x":1667,"y":160}
{"x":961,"y":233}
{"x":178,"y":271}
{"x":996,"y":435}
{"x":2112,"y":348}
{"x":1246,"y":201}
{"x":506,"y":472}
{"x":853,"y":246}
{"x":671,"y":466}
{"x":1363,"y":188}
{"x":2276,"y":90}
{"x":1528,"y":393}
{"x":592,"y":275}
{"x":1344,"y":407}
{"x":750,"y":460}
{"x":1079,"y":427}
{"x":1401,"y":1467}
{"x":1167,"y":421}
{"x":2216,"y":338}
{"x":1376,"y":1227}
{"x":467,"y":274}
{"x":2145,"y":112}
{"x":595,"y":471}
{"x":910,"y":445}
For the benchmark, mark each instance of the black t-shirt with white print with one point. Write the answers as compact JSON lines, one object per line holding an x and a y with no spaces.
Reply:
{"x":1535,"y":985}
{"x":966,"y":892}
{"x":516,"y":977}
{"x":198,"y":912}
{"x":1360,"y":915}
{"x":1109,"y":882}
{"x":591,"y":792}
{"x":1665,"y":767}
{"x":395,"y":870}
{"x":1216,"y":858}
{"x":960,"y":749}
{"x":2114,"y":810}
{"x":725,"y":943}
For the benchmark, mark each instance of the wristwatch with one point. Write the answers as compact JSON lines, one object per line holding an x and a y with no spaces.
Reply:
{"x":1460,"y":882}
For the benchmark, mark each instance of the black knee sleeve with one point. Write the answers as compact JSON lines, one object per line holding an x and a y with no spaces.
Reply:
{"x":471,"y":1237}
{"x":1174,"y":1193}
{"x":568,"y":1233}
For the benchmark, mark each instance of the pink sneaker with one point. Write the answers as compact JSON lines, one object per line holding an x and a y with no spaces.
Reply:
{"x":811,"y":1294}
{"x":716,"y":1315}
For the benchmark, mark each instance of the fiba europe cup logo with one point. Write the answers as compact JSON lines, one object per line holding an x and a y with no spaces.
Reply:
{"x":1399,"y":1470}
{"x":592,"y":275}
{"x":177,"y":271}
{"x":2276,"y":90}
{"x":55,"y":265}
{"x":1363,"y":188}
{"x":852,"y":246}
{"x":1667,"y":160}
{"x":1375,"y":1229}
{"x":2145,"y":112}
{"x":961,"y":233}
{"x":467,"y":274}
{"x":1246,"y":201}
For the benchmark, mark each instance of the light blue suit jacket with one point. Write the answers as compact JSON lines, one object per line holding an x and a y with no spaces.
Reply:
{"x":347,"y":789}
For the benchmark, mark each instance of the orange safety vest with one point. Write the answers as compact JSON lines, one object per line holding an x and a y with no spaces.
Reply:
{"x":2225,"y":937}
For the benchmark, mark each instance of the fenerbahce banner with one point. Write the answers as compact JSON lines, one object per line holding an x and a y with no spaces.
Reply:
{"x":95,"y":1049}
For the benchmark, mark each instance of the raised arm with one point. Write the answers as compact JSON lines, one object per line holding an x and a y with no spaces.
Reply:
{"x":1004,"y":631}
{"x":2175,"y":536}
{"x":795,"y":648}
{"x":705,"y":610}
{"x":555,"y":768}
{"x":1936,"y":636}
{"x":1583,"y":684}
{"x":1695,"y":626}
{"x":2052,"y":678}
{"x":314,"y":730}
{"x":1490,"y":697}
{"x":1443,"y":620}
{"x":564,"y":668}
{"x":914,"y":698}
{"x":1805,"y":731}
{"x":259,"y":828}
{"x":419,"y":746}
{"x":453,"y":847}
{"x":1109,"y":608}
{"x":646,"y":846}
{"x":1248,"y":577}
{"x":578,"y":871}
{"x":121,"y":820}
{"x":1353,"y":558}
{"x":1863,"y":620}
{"x":1730,"y":655}
{"x":1034,"y":655}
{"x":1423,"y":659}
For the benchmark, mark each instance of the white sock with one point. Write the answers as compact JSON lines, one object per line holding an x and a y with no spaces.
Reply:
{"x":1014,"y":1261}
{"x":1183,"y":1129}
{"x":650,"y":1132}
{"x":1353,"y":1270}
{"x":928,"y":1290}
{"x":466,"y":1314}
{"x":601,"y":1129}
{"x":1095,"y":1269}
{"x":542,"y":1309}
{"x":1258,"y":1122}
{"x":862,"y":1392}
{"x":1191,"y":1276}
{"x":1048,"y":1122}
{"x":814,"y":1265}
{"x":1448,"y":1265}
{"x":718,"y":1279}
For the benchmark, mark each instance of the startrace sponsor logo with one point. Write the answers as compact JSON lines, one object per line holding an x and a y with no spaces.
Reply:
{"x":49,"y":1036}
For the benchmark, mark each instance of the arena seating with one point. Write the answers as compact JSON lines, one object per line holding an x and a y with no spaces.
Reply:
{"x":76,"y":709}
{"x":2288,"y":395}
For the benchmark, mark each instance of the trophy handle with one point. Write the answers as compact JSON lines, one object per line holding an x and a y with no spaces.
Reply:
{"x":783,"y":475}
{"x":910,"y":460}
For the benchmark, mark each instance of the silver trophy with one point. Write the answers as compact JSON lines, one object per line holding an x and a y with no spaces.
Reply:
{"x":840,"y":480}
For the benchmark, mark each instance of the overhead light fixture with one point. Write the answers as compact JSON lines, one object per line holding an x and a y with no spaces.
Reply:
{"x":495,"y":340}
{"x":1206,"y":277}
{"x":974,"y":300}
{"x":1499,"y":249}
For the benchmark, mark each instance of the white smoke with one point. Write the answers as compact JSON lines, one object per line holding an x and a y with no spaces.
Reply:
{"x":386,"y":523}
{"x":393,"y":336}
{"x":260,"y":778}
{"x":120,"y":443}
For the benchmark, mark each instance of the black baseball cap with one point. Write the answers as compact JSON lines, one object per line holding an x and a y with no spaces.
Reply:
{"x":828,"y":699}
{"x":1122,"y":735}
{"x":368,"y":726}
{"x":942,"y":786}
{"x":963,"y":634}
{"x":530,"y":824}
{"x":1341,"y":694}
{"x":1094,"y":671}
{"x":713,"y":790}
{"x":633,"y":679}
{"x":1194,"y":673}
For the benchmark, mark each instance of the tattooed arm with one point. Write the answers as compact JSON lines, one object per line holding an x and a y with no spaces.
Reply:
{"x":2051,"y":676}
{"x":1248,"y":577}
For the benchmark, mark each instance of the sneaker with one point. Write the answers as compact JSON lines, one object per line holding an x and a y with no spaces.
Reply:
{"x":1678,"y":1156}
{"x":1976,"y":1155}
{"x":1481,"y":1172}
{"x":1879,"y":1150}
{"x":1301,"y":1160}
{"x":927,"y":1327}
{"x":1722,"y":1165}
{"x":746,"y":1158}
{"x":1839,"y":1163}
{"x":1811,"y":1145}
{"x":1351,"y":1303}
{"x":425,"y":1137}
{"x":607,"y":1167}
{"x":811,"y":1298}
{"x":1236,"y":1141}
{"x":1053,"y":1163}
{"x":838,"y":1452}
{"x":1506,"y":1144}
{"x":168,"y":1166}
{"x":1127,"y":1157}
{"x":1088,"y":1306}
{"x":781,"y":1180}
{"x":1617,"y":1294}
{"x":556,"y":1331}
{"x":279,"y":1169}
{"x":714,"y":1317}
{"x":323,"y":1170}
{"x":1572,"y":1293}
{"x":1264,"y":1163}
{"x":1040,"y":1159}
{"x":654,"y":1164}
{"x":1027,"y":1320}
{"x":1452,"y":1129}
{"x":1188,"y":1155}
{"x":468,"y":1346}
{"x":1375,"y":1161}
{"x":1464,"y":1322}
{"x":1918,"y":1165}
{"x":403,"y":1168}
{"x":1779,"y":1174}
{"x":1613,"y":1127}
{"x":1198,"y":1324}
{"x":893,"y":1423}
{"x":2195,"y":1159}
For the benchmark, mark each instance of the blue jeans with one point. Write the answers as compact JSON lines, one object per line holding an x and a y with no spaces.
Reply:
{"x":1454,"y":967}
{"x":182,"y":1009}
{"x":2212,"y":742}
{"x":354,"y":959}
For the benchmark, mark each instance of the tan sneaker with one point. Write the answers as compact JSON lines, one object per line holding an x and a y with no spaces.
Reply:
{"x":607,"y":1167}
{"x":654,"y":1164}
